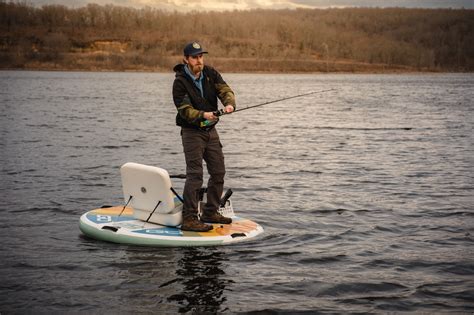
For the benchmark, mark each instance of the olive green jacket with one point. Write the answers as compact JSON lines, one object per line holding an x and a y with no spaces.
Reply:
{"x":188,"y":100}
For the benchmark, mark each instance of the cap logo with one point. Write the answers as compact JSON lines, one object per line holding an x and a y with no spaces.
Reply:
{"x":196,"y":45}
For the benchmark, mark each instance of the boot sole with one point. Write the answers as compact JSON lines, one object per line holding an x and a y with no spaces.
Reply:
{"x":216,"y":222}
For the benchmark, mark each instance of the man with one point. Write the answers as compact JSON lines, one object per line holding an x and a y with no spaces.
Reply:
{"x":196,"y":89}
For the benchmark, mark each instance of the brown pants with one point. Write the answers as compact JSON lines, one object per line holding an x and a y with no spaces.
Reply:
{"x":199,"y":145}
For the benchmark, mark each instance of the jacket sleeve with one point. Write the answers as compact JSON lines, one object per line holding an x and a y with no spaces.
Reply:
{"x":224,"y":92}
{"x":183,"y":104}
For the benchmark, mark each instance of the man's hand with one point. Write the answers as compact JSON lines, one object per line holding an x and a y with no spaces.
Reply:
{"x":229,"y":109}
{"x":209,"y":116}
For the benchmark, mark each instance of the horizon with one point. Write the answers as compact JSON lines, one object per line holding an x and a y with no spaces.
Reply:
{"x":229,"y":5}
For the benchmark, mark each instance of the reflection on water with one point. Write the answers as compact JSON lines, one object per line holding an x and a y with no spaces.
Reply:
{"x":174,"y":279}
{"x":169,"y":279}
{"x":203,"y":282}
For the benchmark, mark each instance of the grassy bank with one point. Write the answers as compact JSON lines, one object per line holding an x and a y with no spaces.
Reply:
{"x":113,"y":38}
{"x":77,"y":62}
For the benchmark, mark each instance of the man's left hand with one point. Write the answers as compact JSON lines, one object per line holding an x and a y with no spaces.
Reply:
{"x":229,"y":109}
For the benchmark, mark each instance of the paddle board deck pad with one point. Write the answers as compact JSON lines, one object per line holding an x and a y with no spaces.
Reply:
{"x":105,"y":224}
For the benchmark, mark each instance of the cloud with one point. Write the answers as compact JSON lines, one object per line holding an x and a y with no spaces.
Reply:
{"x":218,"y":5}
{"x":468,"y":4}
{"x":186,"y":5}
{"x":222,"y":5}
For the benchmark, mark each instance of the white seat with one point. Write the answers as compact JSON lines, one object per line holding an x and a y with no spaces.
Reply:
{"x":150,"y":188}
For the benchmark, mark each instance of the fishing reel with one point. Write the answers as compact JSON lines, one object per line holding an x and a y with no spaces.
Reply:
{"x":209,"y":123}
{"x":219,"y":112}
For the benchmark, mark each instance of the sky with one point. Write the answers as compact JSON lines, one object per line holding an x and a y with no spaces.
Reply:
{"x":220,"y":5}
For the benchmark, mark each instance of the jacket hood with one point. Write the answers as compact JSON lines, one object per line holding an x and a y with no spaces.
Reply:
{"x":178,"y":68}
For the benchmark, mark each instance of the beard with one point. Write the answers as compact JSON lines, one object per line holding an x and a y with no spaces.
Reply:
{"x":197,"y":68}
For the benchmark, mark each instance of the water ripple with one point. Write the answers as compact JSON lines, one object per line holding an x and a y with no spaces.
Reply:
{"x":365,"y":194}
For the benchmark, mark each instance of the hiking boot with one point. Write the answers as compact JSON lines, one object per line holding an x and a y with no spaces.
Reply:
{"x":215,"y":217}
{"x":192,"y":223}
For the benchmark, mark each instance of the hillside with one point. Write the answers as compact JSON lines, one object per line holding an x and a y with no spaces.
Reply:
{"x":110,"y":37}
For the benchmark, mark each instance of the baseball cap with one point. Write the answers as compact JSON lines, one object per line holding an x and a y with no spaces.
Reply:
{"x":193,"y":49}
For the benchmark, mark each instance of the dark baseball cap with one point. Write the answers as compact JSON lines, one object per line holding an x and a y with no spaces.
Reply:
{"x":193,"y":49}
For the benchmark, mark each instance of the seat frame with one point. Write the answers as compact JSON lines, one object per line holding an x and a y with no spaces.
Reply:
{"x":149,"y":192}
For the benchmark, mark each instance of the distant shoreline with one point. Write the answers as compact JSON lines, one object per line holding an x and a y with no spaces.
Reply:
{"x":414,"y":72}
{"x":223,"y":66}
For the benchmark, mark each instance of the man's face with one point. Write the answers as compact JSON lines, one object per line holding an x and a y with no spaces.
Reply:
{"x":196,"y":63}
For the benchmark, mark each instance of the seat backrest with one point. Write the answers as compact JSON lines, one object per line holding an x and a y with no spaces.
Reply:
{"x":148,"y":185}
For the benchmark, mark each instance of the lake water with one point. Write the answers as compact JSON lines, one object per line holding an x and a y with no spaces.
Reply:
{"x":365,"y":194}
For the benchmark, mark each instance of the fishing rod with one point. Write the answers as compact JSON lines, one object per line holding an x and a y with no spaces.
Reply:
{"x":222,"y":112}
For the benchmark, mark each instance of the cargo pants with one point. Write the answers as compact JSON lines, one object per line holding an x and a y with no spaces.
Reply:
{"x":199,"y":145}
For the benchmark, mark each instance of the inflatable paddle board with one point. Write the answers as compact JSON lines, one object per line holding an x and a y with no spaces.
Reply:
{"x":104,"y":224}
{"x":152,"y":215}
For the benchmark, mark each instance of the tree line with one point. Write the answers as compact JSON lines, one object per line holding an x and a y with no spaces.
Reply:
{"x":352,"y":39}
